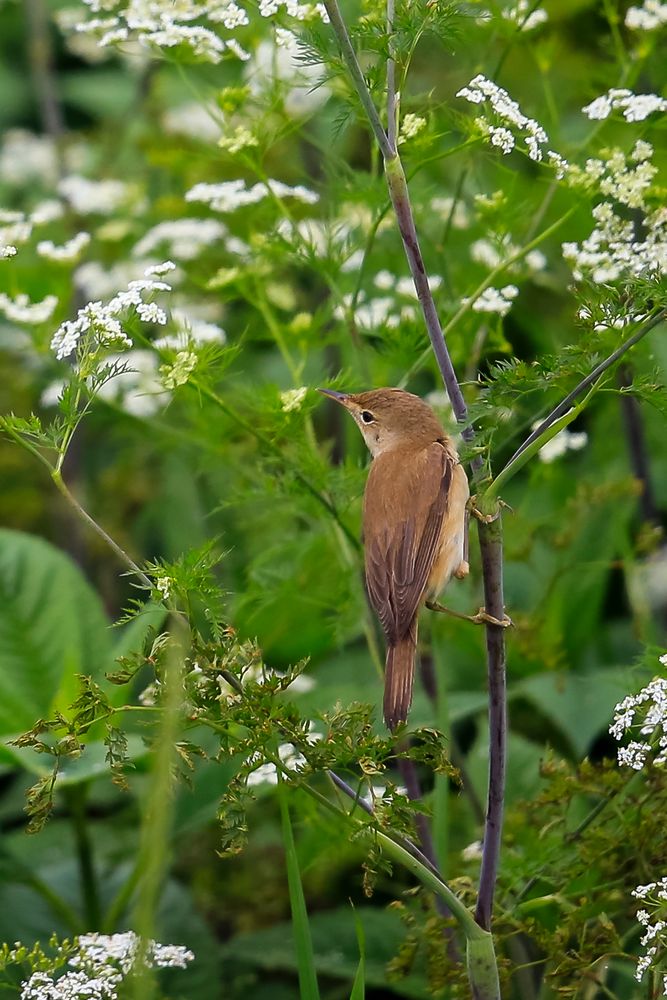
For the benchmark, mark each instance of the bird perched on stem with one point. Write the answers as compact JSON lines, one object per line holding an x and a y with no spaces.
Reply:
{"x":415,"y":515}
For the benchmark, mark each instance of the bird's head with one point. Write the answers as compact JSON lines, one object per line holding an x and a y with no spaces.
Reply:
{"x":390,"y":418}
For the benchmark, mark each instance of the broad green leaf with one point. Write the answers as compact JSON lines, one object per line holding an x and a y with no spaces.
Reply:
{"x":52,"y":627}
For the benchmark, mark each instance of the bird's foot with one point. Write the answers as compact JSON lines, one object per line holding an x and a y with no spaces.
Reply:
{"x":473,"y":509}
{"x":481,"y":618}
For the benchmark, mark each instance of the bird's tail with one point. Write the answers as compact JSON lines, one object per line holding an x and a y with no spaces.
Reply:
{"x":398,"y":678}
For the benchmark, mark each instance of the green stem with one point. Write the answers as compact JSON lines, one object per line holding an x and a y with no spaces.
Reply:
{"x":352,"y":62}
{"x":308,"y":988}
{"x":76,"y":801}
{"x":56,"y":475}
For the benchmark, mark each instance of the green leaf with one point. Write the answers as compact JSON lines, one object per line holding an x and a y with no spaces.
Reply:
{"x":52,"y":627}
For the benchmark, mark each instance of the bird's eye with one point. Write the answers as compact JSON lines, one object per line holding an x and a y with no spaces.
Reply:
{"x":367,"y":416}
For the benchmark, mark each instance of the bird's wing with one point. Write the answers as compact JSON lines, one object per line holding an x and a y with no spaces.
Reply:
{"x":404,"y":507}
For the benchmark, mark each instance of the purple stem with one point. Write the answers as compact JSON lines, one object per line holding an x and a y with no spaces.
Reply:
{"x":490,"y":534}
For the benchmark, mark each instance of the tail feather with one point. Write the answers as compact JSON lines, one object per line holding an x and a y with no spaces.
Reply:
{"x":399,"y":678}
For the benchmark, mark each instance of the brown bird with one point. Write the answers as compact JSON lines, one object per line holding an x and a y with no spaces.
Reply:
{"x":414,"y":523}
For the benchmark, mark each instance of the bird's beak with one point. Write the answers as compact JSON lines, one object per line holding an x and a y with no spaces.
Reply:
{"x":340,"y":397}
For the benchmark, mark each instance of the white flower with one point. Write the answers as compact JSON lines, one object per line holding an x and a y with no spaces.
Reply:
{"x":89,"y":197}
{"x":562,"y":442}
{"x":192,"y":120}
{"x":190,"y":330}
{"x":47,"y":211}
{"x":185,"y":238}
{"x":237,"y":140}
{"x":292,"y":399}
{"x":26,"y":158}
{"x":384,"y":280}
{"x":651,"y":15}
{"x":100,"y":965}
{"x":494,"y":300}
{"x":502,"y":138}
{"x":7,"y":250}
{"x":635,"y":107}
{"x":67,"y":252}
{"x":150,"y":312}
{"x":178,"y":373}
{"x":22,"y":310}
{"x":479,"y":91}
{"x":155,"y":270}
{"x":521,"y":14}
{"x":227,"y":196}
{"x":279,"y":68}
{"x":443,"y":206}
{"x":136,"y":386}
{"x":473,"y":852}
{"x":411,"y":126}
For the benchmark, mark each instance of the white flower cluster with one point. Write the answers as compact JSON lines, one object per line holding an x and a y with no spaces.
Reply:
{"x":386,"y":310}
{"x":635,"y":107}
{"x":69,"y":251}
{"x":654,"y":898}
{"x":186,"y":238}
{"x":98,"y":324}
{"x":277,"y":68}
{"x":26,"y":158}
{"x":411,"y":126}
{"x":292,"y":399}
{"x":524,"y":16}
{"x":266,"y":774}
{"x":227,"y":196}
{"x":646,"y":712}
{"x":612,"y":252}
{"x":491,"y":255}
{"x":89,"y":197}
{"x":15,"y":228}
{"x":190,"y":330}
{"x":566,"y":440}
{"x":21,"y":310}
{"x":238,"y":139}
{"x":651,"y":15}
{"x":480,"y":90}
{"x":166,"y":24}
{"x":100,"y":965}
{"x":7,"y":250}
{"x":494,"y":300}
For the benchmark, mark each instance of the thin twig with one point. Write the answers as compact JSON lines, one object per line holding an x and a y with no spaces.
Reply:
{"x":99,"y":530}
{"x":352,"y":62}
{"x":571,"y":397}
{"x":392,"y":103}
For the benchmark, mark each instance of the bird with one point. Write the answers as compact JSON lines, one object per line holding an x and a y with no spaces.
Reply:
{"x":414,"y":523}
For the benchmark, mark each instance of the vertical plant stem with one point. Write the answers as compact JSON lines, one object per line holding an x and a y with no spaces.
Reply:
{"x":76,"y":802}
{"x":392,"y":102}
{"x":153,"y":858}
{"x":41,"y":66}
{"x":491,"y":548}
{"x":308,"y":988}
{"x":490,"y":535}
